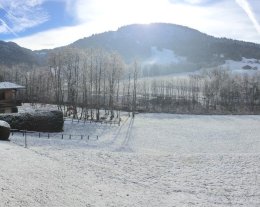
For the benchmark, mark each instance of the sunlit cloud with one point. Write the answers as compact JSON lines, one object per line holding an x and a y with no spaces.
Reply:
{"x":119,"y":11}
{"x":60,"y":36}
{"x":196,"y":2}
{"x":223,"y":18}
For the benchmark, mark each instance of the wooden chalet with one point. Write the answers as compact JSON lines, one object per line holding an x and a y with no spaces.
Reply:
{"x":8,"y":100}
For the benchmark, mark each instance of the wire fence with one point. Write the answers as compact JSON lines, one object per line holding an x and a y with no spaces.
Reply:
{"x":93,"y":121}
{"x":23,"y":136}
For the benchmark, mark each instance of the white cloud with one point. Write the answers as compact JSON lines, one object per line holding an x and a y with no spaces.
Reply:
{"x":61,"y":36}
{"x":196,"y":1}
{"x":223,"y":19}
{"x":21,"y":15}
{"x":125,"y":11}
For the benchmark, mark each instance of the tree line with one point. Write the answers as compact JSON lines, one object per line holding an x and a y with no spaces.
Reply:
{"x":87,"y":79}
{"x":215,"y":91}
{"x":82,"y":82}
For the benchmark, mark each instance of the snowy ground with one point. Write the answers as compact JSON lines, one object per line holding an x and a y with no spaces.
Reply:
{"x":237,"y":66}
{"x":152,"y":160}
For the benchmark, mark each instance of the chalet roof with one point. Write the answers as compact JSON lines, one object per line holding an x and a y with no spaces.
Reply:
{"x":8,"y":85}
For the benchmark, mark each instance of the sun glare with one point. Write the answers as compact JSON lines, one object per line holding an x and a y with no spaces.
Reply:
{"x":127,"y":12}
{"x":146,"y":11}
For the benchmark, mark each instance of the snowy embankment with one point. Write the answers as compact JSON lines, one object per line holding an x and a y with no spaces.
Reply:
{"x":152,"y":160}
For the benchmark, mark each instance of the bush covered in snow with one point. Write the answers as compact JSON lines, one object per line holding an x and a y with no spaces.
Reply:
{"x":4,"y":130}
{"x":44,"y":121}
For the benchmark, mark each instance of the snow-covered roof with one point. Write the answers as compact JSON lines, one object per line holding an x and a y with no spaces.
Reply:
{"x":8,"y":85}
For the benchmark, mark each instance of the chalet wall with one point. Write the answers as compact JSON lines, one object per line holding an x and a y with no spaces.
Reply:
{"x":9,"y":95}
{"x":8,"y":110}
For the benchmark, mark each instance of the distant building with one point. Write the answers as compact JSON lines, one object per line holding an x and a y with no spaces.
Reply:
{"x":247,"y":67}
{"x":8,"y":100}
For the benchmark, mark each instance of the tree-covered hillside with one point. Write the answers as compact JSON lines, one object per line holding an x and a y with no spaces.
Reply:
{"x":136,"y":41}
{"x":12,"y":54}
{"x":143,"y":42}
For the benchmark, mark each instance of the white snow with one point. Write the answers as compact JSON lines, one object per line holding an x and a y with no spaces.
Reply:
{"x":152,"y":160}
{"x":4,"y":124}
{"x":163,"y":57}
{"x":8,"y":85}
{"x":237,"y":66}
{"x":26,"y":107}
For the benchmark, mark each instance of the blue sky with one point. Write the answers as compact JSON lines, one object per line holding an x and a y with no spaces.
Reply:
{"x":23,"y":20}
{"x":40,"y":24}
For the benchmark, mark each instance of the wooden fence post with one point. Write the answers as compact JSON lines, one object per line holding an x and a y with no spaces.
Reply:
{"x":25,"y":140}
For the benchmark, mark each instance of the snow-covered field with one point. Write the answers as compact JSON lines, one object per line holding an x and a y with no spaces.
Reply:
{"x":152,"y":160}
{"x":237,"y":66}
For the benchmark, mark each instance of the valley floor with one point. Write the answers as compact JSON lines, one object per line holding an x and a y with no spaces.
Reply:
{"x":152,"y":160}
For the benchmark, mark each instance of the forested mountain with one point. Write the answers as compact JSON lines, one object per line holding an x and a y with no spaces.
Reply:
{"x":161,"y":46}
{"x":12,"y":54}
{"x":137,"y":41}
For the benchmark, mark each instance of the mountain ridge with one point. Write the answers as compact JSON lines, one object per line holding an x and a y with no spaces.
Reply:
{"x":13,"y":54}
{"x":184,"y":41}
{"x":139,"y":41}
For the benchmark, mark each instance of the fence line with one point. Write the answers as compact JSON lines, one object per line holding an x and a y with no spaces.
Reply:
{"x":63,"y":136}
{"x":58,"y":136}
{"x":92,"y":121}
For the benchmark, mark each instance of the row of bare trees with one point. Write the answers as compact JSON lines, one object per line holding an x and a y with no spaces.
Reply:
{"x":87,"y":79}
{"x":210,"y":91}
{"x":93,"y":79}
